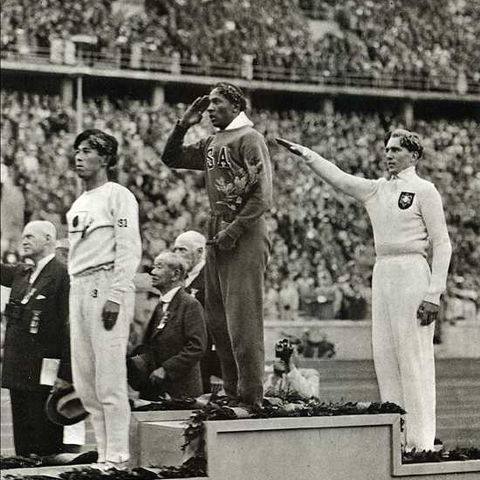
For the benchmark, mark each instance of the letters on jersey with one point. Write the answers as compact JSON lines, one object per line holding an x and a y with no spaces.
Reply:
{"x":405,"y":200}
{"x":221,"y":161}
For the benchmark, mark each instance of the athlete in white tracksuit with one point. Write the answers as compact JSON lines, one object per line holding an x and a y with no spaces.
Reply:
{"x":105,"y":251}
{"x":407,"y":216}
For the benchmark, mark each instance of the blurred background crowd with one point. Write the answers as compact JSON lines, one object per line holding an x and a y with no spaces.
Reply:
{"x":322,"y":243}
{"x":433,"y":39}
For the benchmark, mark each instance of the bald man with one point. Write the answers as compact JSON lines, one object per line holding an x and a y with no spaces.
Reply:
{"x":191,"y":245}
{"x":37,"y":351}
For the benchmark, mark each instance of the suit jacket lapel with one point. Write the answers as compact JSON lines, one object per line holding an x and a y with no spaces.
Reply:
{"x":198,"y":281}
{"x":46,"y":276}
{"x":21,"y":285}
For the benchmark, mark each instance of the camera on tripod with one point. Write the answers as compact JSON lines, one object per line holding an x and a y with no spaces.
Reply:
{"x":284,"y":350}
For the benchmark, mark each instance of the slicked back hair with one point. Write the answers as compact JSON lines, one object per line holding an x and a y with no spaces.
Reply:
{"x":409,"y":140}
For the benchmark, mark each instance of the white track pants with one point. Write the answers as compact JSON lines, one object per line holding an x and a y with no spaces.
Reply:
{"x":99,"y":363}
{"x":403,"y":349}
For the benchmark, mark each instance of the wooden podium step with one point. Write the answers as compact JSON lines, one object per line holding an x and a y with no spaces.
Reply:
{"x":160,"y":443}
{"x":156,"y":437}
{"x":353,"y":447}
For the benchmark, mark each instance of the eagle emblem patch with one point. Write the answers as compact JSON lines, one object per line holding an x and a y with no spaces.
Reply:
{"x":405,"y":200}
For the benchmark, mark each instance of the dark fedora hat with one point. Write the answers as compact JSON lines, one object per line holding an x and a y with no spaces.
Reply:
{"x":64,"y":407}
{"x":140,"y":364}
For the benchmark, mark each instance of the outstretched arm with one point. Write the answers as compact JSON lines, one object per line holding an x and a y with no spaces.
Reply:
{"x":356,"y":187}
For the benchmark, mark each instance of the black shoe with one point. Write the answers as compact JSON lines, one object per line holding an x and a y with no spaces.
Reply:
{"x":85,"y":458}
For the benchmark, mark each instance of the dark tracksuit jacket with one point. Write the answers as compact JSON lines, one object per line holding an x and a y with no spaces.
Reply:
{"x":239,"y":185}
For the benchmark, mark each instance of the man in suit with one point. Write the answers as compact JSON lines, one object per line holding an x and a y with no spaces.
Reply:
{"x":37,"y":353}
{"x":175,"y":339}
{"x":191,"y":245}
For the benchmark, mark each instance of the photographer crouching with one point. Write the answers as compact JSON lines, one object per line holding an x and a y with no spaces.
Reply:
{"x":287,"y":378}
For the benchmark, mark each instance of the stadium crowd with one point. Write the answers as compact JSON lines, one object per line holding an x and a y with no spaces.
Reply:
{"x":321,"y":241}
{"x":433,"y":40}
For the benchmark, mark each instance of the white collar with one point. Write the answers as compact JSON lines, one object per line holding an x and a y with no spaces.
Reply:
{"x":168,"y":297}
{"x":40,"y":266}
{"x":193,"y":273}
{"x":406,"y":173}
{"x":241,"y":120}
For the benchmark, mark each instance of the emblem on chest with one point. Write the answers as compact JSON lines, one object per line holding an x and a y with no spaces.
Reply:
{"x":405,"y":200}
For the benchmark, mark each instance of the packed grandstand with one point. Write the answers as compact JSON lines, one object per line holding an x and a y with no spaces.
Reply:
{"x":317,"y":234}
{"x":429,"y":44}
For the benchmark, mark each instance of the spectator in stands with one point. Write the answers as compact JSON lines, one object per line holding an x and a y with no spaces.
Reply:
{"x":288,"y":300}
{"x":403,"y":44}
{"x":13,"y":208}
{"x":271,"y":301}
{"x":306,"y":220}
{"x":328,"y":297}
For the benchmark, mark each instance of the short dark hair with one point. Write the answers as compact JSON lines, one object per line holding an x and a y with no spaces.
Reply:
{"x":409,"y":140}
{"x":105,"y":144}
{"x":232,"y":93}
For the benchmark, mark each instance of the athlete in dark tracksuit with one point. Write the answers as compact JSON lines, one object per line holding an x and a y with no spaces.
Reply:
{"x":239,"y":185}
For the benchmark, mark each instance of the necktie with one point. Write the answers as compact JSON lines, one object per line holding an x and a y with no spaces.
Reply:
{"x":162,"y":315}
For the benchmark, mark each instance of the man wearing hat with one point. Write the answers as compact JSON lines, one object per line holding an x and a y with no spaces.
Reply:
{"x":37,"y":339}
{"x":168,"y":360}
{"x":238,"y":173}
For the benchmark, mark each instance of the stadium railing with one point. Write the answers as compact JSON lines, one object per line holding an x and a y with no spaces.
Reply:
{"x":304,"y":75}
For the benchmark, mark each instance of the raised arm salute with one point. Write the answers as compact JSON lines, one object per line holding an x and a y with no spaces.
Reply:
{"x":407,"y":215}
{"x":357,"y":187}
{"x":239,"y":185}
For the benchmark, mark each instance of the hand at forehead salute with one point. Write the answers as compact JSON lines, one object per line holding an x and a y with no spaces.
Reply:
{"x":194,"y":112}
